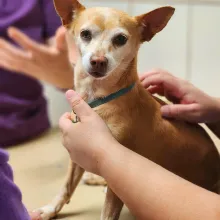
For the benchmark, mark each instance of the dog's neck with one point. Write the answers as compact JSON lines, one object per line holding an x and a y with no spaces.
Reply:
{"x":90,"y":88}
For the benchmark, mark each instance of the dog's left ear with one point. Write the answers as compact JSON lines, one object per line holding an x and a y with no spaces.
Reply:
{"x":154,"y":22}
{"x":67,"y":9}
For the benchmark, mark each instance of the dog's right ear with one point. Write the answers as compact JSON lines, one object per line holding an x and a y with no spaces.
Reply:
{"x":67,"y":10}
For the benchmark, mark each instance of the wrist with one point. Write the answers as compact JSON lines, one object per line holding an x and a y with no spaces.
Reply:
{"x":109,"y":156}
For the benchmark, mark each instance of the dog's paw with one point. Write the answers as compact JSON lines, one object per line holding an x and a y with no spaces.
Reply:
{"x":35,"y":215}
{"x":93,"y":179}
{"x":47,"y":212}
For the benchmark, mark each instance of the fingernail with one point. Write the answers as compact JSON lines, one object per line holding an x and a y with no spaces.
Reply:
{"x":71,"y":93}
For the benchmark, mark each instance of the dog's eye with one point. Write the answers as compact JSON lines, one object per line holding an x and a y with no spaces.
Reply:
{"x":120,"y":40}
{"x":86,"y":35}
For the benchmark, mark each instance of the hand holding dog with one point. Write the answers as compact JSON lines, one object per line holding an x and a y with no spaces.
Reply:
{"x":47,"y":63}
{"x":190,"y":103}
{"x":88,"y":139}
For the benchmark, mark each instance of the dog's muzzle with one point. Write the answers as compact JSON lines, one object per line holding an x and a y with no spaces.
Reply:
{"x":98,"y":66}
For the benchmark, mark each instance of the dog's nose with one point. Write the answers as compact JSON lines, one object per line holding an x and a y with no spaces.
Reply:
{"x":99,"y":64}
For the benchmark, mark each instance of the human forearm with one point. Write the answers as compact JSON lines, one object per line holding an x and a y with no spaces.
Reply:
{"x":152,"y":192}
{"x":11,"y":206}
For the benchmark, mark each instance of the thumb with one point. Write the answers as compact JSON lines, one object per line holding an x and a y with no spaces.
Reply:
{"x":61,"y":42}
{"x":79,"y":106}
{"x":180,"y":111}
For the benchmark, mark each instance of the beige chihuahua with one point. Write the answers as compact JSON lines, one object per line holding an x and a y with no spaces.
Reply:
{"x":106,"y":76}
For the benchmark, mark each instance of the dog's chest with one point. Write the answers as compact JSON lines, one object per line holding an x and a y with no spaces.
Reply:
{"x":84,"y":88}
{"x":118,"y":121}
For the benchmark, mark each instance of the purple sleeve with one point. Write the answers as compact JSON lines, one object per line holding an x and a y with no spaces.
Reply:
{"x":51,"y":19}
{"x":11,"y":206}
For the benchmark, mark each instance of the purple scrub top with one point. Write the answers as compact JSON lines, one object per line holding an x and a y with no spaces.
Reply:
{"x":23,"y":108}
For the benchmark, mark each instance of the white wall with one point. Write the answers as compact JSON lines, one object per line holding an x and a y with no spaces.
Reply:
{"x":189,"y":46}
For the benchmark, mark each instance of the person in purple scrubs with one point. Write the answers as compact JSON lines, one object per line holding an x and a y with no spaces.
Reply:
{"x":23,"y":107}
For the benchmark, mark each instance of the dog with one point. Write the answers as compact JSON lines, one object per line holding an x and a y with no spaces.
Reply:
{"x":106,"y":76}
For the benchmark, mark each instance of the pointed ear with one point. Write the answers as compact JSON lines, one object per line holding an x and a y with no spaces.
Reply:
{"x":67,"y":9}
{"x":154,"y":22}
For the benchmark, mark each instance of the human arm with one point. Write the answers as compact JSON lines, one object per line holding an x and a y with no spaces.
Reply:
{"x":151,"y":192}
{"x":147,"y":189}
{"x":188,"y":102}
{"x":11,"y":206}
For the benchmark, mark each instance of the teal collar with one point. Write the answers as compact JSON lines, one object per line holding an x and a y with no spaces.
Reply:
{"x":115,"y":95}
{"x":101,"y":101}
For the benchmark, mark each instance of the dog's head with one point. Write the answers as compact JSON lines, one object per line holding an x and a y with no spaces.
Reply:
{"x":108,"y":39}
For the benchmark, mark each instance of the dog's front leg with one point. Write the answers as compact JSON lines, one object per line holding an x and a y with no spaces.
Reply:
{"x":73,"y":177}
{"x":112,"y":207}
{"x":93,"y":179}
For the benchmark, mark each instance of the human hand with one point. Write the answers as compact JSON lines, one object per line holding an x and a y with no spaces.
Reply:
{"x":89,"y":139}
{"x":48,"y":63}
{"x":190,"y":103}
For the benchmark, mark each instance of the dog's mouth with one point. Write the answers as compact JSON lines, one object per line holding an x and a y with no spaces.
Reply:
{"x":97,"y":74}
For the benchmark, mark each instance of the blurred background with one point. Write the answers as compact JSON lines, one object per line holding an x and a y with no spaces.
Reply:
{"x":189,"y":47}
